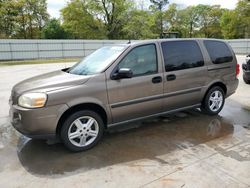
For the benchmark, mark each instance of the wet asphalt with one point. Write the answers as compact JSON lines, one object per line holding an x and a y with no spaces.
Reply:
{"x":185,"y":149}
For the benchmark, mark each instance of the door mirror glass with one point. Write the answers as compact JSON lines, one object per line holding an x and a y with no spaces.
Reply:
{"x":122,"y":74}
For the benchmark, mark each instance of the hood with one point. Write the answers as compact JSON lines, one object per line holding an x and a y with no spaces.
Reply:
{"x":50,"y":81}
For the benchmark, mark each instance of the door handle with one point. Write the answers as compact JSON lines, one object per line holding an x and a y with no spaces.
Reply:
{"x":157,"y":79}
{"x":171,"y":77}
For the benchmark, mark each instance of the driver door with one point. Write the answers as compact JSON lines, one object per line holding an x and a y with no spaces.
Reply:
{"x":140,"y":95}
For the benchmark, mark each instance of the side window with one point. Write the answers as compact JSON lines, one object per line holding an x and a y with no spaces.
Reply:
{"x":180,"y":55}
{"x":141,"y":60}
{"x":218,"y":52}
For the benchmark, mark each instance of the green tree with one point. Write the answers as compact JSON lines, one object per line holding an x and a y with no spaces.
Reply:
{"x":158,"y":6}
{"x":32,"y":17}
{"x":236,"y":23}
{"x":209,"y":21}
{"x":8,"y":14}
{"x":214,"y":27}
{"x":171,"y":16}
{"x":140,"y":25}
{"x":228,"y":24}
{"x":22,"y":18}
{"x":120,"y":19}
{"x":202,"y":12}
{"x":114,"y":15}
{"x":54,"y":30}
{"x":96,"y":18}
{"x":199,"y":21}
{"x":184,"y":21}
{"x":176,"y":20}
{"x":79,"y":20}
{"x":243,"y":18}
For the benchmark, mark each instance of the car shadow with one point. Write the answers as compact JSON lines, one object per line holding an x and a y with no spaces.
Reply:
{"x":144,"y":140}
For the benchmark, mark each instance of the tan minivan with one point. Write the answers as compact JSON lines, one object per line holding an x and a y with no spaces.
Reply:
{"x":124,"y":83}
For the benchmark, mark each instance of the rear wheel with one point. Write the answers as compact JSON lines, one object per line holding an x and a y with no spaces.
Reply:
{"x":82,"y":130}
{"x":214,"y":101}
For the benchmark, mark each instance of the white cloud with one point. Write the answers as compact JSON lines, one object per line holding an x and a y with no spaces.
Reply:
{"x":54,"y":6}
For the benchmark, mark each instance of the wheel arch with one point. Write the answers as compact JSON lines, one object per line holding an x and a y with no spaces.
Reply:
{"x":217,"y":83}
{"x":83,"y":106}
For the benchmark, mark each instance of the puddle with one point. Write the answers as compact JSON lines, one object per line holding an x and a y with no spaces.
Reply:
{"x":140,"y":141}
{"x":146,"y":140}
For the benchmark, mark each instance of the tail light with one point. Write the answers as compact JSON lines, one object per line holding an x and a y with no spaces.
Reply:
{"x":237,"y":70}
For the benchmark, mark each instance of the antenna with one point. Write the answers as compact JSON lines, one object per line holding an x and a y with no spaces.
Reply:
{"x":129,"y":41}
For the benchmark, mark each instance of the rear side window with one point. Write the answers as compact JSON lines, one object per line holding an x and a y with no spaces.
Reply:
{"x":180,"y":55}
{"x":218,"y":52}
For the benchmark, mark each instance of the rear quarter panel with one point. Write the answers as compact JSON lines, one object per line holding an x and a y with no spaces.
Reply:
{"x":224,"y":73}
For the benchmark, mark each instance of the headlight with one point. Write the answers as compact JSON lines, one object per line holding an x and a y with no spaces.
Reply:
{"x":32,"y":100}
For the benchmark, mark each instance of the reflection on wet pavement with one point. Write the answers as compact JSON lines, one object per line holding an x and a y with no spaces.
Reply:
{"x":146,"y":140}
{"x":163,"y":145}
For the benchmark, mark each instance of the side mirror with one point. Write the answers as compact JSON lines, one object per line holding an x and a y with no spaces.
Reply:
{"x":122,"y":74}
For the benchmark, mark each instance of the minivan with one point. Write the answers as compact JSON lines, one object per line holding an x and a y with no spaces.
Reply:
{"x":123,"y":83}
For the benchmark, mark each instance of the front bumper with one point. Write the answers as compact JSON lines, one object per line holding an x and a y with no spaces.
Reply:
{"x":40,"y":123}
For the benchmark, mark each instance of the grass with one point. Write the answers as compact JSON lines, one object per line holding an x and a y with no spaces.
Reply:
{"x":38,"y":61}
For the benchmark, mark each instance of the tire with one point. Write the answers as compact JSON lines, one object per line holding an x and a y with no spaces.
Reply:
{"x":213,"y":101}
{"x":245,"y":80}
{"x":86,"y":129}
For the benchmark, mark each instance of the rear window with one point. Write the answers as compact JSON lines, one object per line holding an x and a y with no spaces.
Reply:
{"x":218,"y":52}
{"x":179,"y":55}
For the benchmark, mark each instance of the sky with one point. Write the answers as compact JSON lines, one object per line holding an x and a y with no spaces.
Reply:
{"x":54,"y":6}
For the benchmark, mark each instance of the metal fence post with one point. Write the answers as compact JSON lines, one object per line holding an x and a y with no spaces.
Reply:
{"x":38,"y":51}
{"x":248,"y":47}
{"x":62,"y":50}
{"x":84,"y":53}
{"x":11,"y":51}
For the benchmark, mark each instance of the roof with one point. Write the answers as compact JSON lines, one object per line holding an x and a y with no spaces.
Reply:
{"x":173,"y":39}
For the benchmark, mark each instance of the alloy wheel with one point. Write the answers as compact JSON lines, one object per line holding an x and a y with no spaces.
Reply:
{"x":215,"y":100}
{"x":83,"y":131}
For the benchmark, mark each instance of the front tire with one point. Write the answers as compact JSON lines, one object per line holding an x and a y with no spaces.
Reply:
{"x":82,"y":130}
{"x":213,"y":101}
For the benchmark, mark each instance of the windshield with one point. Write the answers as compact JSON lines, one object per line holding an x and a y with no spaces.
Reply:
{"x":97,"y":61}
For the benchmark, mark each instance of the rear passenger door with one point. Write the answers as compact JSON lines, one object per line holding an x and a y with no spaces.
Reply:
{"x":185,"y":74}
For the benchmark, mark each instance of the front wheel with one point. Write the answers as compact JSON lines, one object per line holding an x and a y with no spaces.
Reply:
{"x":82,"y":130}
{"x":214,"y":101}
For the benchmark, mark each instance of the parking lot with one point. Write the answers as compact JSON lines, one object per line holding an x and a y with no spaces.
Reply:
{"x":185,"y":149}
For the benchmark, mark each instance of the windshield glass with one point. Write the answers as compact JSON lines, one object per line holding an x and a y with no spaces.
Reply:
{"x":97,"y":61}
